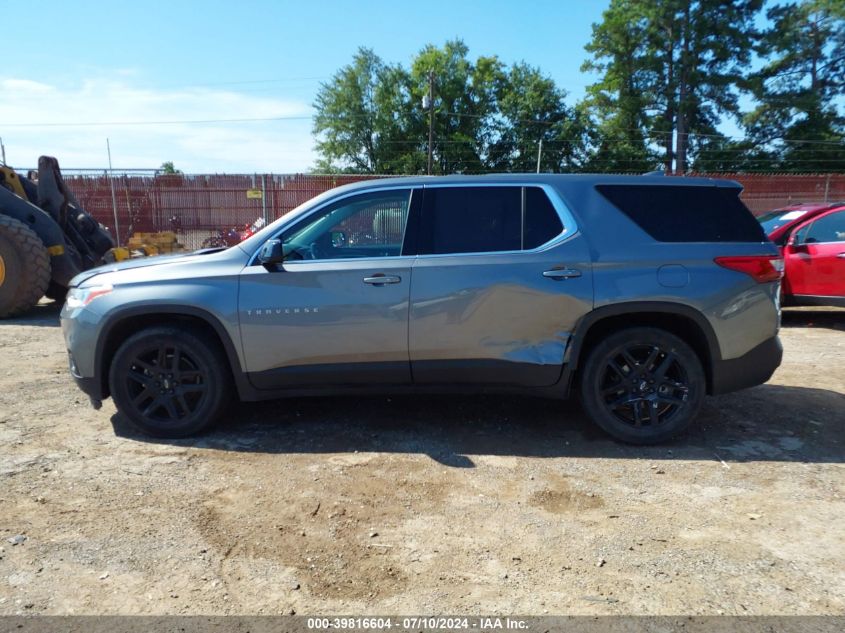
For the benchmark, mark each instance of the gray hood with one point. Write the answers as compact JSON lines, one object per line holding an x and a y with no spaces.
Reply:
{"x":142,"y":262}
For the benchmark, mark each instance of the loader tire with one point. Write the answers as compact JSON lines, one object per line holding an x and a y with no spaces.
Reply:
{"x":24,"y":267}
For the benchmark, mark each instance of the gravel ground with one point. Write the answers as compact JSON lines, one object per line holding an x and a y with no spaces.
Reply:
{"x":419,"y":505}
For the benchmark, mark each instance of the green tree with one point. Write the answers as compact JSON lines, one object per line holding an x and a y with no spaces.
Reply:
{"x":718,"y":153}
{"x":797,"y":89}
{"x":346,"y":123}
{"x":621,"y":99}
{"x":671,"y":70}
{"x":716,"y":43}
{"x":464,"y":105}
{"x":532,"y":110}
{"x":358,"y":116}
{"x":370,"y":116}
{"x":167,"y":168}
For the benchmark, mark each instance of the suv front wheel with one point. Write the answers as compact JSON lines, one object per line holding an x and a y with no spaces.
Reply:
{"x":642,"y":385}
{"x":170,"y":381}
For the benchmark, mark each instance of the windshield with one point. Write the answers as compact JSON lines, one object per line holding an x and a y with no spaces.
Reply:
{"x":773,"y":220}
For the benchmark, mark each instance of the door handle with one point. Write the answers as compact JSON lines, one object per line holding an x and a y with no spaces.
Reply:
{"x":380,"y":280}
{"x":841,"y":256}
{"x":562,"y":273}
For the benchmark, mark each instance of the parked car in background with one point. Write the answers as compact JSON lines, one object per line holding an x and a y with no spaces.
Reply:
{"x":536,"y":284}
{"x":812,"y":240}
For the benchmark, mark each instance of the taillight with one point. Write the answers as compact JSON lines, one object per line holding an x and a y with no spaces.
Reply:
{"x":762,"y":268}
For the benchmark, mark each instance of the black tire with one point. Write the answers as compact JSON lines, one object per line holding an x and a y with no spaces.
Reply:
{"x":642,"y":385}
{"x":24,"y":267}
{"x":170,"y":381}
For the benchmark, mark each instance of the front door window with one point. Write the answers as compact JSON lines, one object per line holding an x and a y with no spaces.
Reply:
{"x":368,"y":225}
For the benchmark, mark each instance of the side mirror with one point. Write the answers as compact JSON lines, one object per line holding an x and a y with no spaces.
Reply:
{"x":338,"y":239}
{"x":798,"y":238}
{"x":271,"y":254}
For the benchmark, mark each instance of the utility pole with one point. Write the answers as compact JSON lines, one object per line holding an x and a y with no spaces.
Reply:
{"x":113,"y":197}
{"x":539,"y":155}
{"x":2,"y":152}
{"x":682,"y":142}
{"x":430,"y":118}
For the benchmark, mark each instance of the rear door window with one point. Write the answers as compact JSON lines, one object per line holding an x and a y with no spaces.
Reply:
{"x":486,"y":220}
{"x":686,"y":213}
{"x":471,"y":220}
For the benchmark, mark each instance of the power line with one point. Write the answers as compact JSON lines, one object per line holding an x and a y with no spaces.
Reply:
{"x":570,"y":141}
{"x":648,"y":134}
{"x":246,"y":82}
{"x":182,"y":122}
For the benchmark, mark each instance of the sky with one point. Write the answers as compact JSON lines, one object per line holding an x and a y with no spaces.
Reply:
{"x":159,"y":64}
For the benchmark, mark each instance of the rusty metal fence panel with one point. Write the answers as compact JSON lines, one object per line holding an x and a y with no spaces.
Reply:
{"x":200,"y":207}
{"x":196,"y":207}
{"x":764,"y":192}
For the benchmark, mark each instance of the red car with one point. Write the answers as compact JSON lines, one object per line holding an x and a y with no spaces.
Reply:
{"x":812,"y":240}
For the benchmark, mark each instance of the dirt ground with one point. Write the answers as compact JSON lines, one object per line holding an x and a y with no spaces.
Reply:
{"x":424,"y":505}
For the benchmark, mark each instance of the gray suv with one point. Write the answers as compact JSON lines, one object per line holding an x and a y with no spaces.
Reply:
{"x":641,"y":293}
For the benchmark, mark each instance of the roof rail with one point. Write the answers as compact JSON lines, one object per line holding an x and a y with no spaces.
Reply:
{"x":656,"y":172}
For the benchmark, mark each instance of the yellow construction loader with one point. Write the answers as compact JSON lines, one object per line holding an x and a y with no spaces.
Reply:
{"x":46,"y":237}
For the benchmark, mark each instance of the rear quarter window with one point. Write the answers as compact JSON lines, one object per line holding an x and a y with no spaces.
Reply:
{"x":686,"y":213}
{"x":541,"y":223}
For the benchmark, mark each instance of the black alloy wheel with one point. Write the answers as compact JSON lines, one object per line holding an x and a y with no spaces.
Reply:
{"x":642,"y":385}
{"x":170,"y":381}
{"x":166,"y":383}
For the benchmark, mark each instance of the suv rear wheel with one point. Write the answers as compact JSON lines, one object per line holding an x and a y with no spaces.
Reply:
{"x":170,"y":381}
{"x":642,"y":385}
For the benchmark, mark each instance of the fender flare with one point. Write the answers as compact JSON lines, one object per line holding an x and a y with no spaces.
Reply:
{"x":115,"y":319}
{"x":573,"y":353}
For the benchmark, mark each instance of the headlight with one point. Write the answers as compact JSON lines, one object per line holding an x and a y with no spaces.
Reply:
{"x":81,"y":297}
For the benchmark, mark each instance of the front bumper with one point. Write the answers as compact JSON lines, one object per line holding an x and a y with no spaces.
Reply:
{"x":81,"y":327}
{"x":751,"y":369}
{"x":92,"y":388}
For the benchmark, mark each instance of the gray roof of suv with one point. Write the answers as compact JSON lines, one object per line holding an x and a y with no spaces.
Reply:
{"x":550,"y":179}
